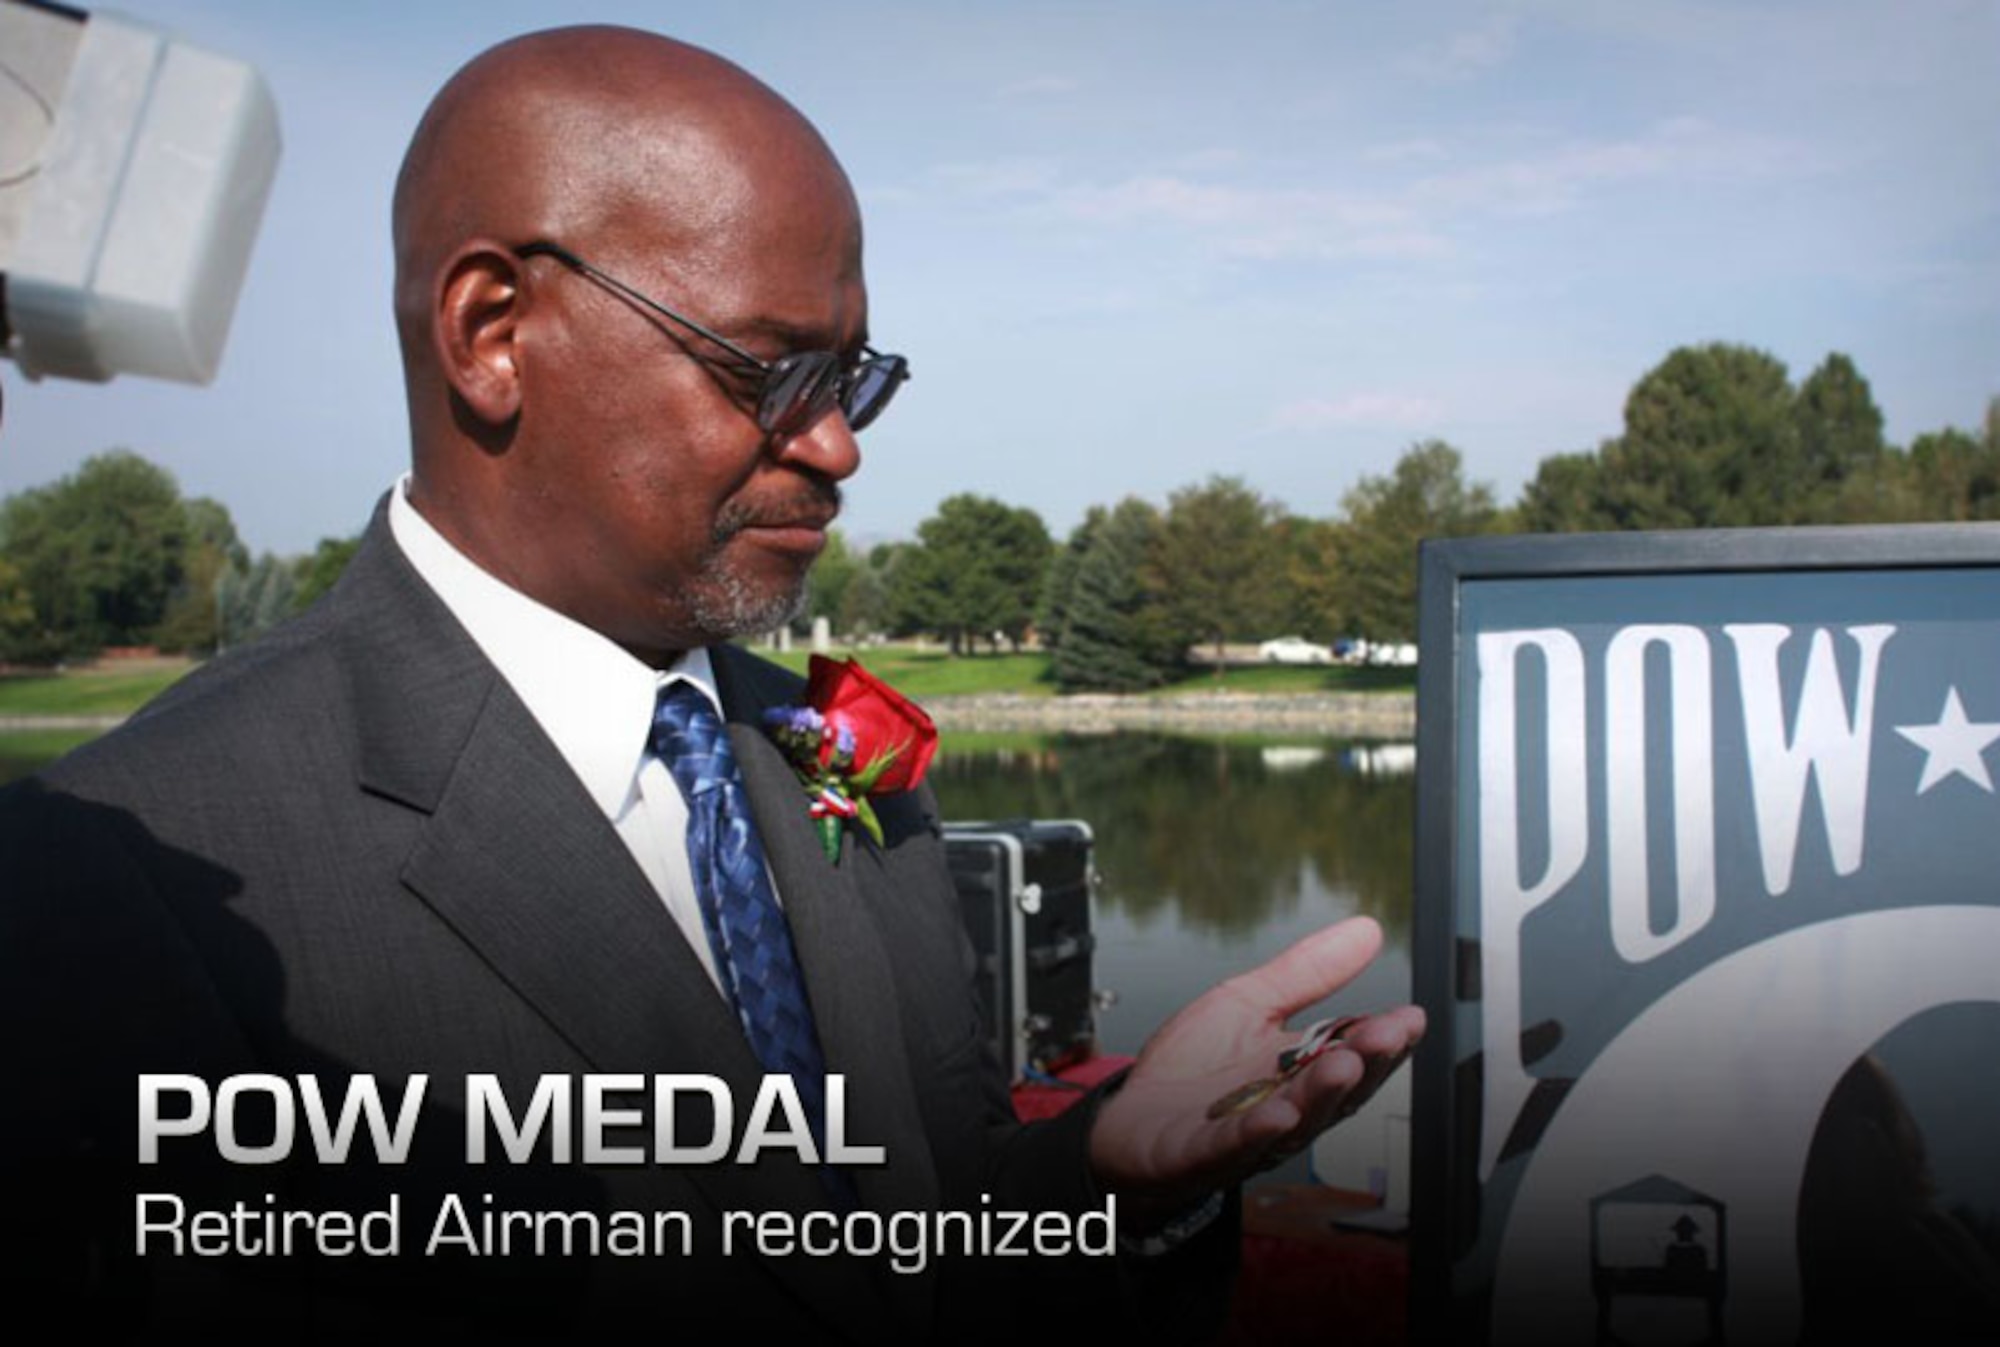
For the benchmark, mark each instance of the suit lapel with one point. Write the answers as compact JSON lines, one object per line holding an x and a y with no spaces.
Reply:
{"x":519,"y":862}
{"x":847,"y":970}
{"x":849,"y":978}
{"x":515,"y":856}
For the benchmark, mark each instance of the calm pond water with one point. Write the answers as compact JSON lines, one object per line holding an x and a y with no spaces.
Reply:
{"x":1215,"y":855}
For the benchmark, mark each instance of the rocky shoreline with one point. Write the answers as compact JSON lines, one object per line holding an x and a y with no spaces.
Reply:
{"x":1346,"y":715}
{"x":1350,"y":715}
{"x":18,"y":724}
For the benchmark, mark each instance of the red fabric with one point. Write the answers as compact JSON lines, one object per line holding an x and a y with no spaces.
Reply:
{"x":1033,"y":1102}
{"x":1314,"y":1285}
{"x":882,"y":720}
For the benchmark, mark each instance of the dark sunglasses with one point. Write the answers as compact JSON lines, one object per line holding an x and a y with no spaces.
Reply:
{"x":798,"y":388}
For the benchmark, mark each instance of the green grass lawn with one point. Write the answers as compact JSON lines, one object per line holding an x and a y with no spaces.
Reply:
{"x":920,"y":673}
{"x":27,"y":751}
{"x":87,"y":692}
{"x":932,"y":673}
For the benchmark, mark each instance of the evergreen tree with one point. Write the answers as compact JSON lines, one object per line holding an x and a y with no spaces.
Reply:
{"x":1565,"y":495}
{"x":1838,"y":424}
{"x":253,"y":600}
{"x":192,"y":621}
{"x":1115,"y":637}
{"x":1059,"y":584}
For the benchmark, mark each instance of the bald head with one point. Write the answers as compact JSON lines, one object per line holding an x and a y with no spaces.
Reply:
{"x":567,"y":434}
{"x":574,"y":133}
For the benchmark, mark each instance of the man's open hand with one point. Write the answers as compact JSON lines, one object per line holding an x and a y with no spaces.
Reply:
{"x":1153,"y":1142}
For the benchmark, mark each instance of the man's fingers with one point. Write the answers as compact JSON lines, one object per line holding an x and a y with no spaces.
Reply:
{"x":1308,"y":1104}
{"x":1314,"y":967}
{"x":1387,"y":1033}
{"x":1335,"y":1086}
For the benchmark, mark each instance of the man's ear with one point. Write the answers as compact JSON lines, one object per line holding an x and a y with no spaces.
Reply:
{"x":476,"y":326}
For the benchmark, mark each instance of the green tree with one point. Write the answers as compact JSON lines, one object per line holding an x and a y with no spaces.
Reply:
{"x":864,"y":604}
{"x":1315,"y":579}
{"x":318,"y":571}
{"x":1116,"y":637}
{"x":1955,"y":475}
{"x":1424,"y":496}
{"x":975,"y":570}
{"x":100,"y":552}
{"x":1714,"y":437}
{"x":192,"y":621}
{"x":1059,"y":581}
{"x":17,"y":612}
{"x":827,"y":584}
{"x":1217,"y":561}
{"x":1565,"y":495}
{"x":1838,"y":424}
{"x":1709,"y":441}
{"x":1886,"y":491}
{"x":254,"y":599}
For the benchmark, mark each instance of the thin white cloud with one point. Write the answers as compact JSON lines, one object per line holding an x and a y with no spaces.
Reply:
{"x":1465,"y":54}
{"x":1406,"y":217}
{"x":1281,"y":241}
{"x":1378,"y":410}
{"x":1213,"y":160}
{"x":874,"y":195}
{"x":1681,"y":149}
{"x":1019,"y":175}
{"x":1406,"y":151}
{"x":1040,"y":86}
{"x":1258,"y":222}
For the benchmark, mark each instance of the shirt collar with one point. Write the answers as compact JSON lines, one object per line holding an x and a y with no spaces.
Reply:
{"x":592,"y":698}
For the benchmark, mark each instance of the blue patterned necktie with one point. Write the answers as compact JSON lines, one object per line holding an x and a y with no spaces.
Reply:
{"x":746,"y":929}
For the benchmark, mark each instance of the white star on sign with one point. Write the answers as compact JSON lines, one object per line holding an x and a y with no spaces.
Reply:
{"x":1953,"y":745}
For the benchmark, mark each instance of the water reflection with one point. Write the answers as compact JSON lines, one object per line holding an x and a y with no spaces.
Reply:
{"x":1228,"y":837}
{"x":1215,"y":856}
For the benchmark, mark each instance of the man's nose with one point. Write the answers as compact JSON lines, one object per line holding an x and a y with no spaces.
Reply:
{"x":826,"y":447}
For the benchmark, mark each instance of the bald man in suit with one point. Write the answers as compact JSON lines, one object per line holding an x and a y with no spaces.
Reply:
{"x":428,"y":829}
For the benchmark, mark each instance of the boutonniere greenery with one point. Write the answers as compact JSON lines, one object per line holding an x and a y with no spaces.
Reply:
{"x":853,"y":737}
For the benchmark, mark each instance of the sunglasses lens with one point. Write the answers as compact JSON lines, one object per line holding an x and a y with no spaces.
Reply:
{"x":801,"y":388}
{"x":798,"y":389}
{"x":870,"y":388}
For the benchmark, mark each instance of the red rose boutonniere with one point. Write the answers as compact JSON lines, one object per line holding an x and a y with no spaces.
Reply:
{"x":854,"y":737}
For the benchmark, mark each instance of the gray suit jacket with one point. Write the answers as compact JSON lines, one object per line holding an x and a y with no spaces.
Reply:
{"x":348,"y":848}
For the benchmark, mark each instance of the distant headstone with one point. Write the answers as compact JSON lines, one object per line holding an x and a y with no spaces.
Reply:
{"x":822,"y":636}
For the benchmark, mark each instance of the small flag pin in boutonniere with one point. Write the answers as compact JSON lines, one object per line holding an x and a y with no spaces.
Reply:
{"x":853,"y":737}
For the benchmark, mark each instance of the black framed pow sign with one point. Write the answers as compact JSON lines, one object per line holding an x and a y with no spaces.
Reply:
{"x":1708,"y":931}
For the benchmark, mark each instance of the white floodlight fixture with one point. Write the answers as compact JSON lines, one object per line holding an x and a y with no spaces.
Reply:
{"x":133,"y":174}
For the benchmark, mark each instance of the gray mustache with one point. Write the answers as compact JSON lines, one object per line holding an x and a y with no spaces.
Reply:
{"x":816,"y":505}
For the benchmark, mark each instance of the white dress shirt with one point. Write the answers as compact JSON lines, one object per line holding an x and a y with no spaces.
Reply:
{"x":594,"y":700}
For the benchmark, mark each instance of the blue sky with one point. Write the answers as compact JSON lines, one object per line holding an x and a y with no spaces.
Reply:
{"x":1130,"y":245}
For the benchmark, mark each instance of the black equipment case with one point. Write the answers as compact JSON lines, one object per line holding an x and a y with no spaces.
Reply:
{"x":1025,"y":887}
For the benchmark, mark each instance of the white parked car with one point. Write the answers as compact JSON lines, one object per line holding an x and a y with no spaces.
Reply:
{"x":1293,"y":650}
